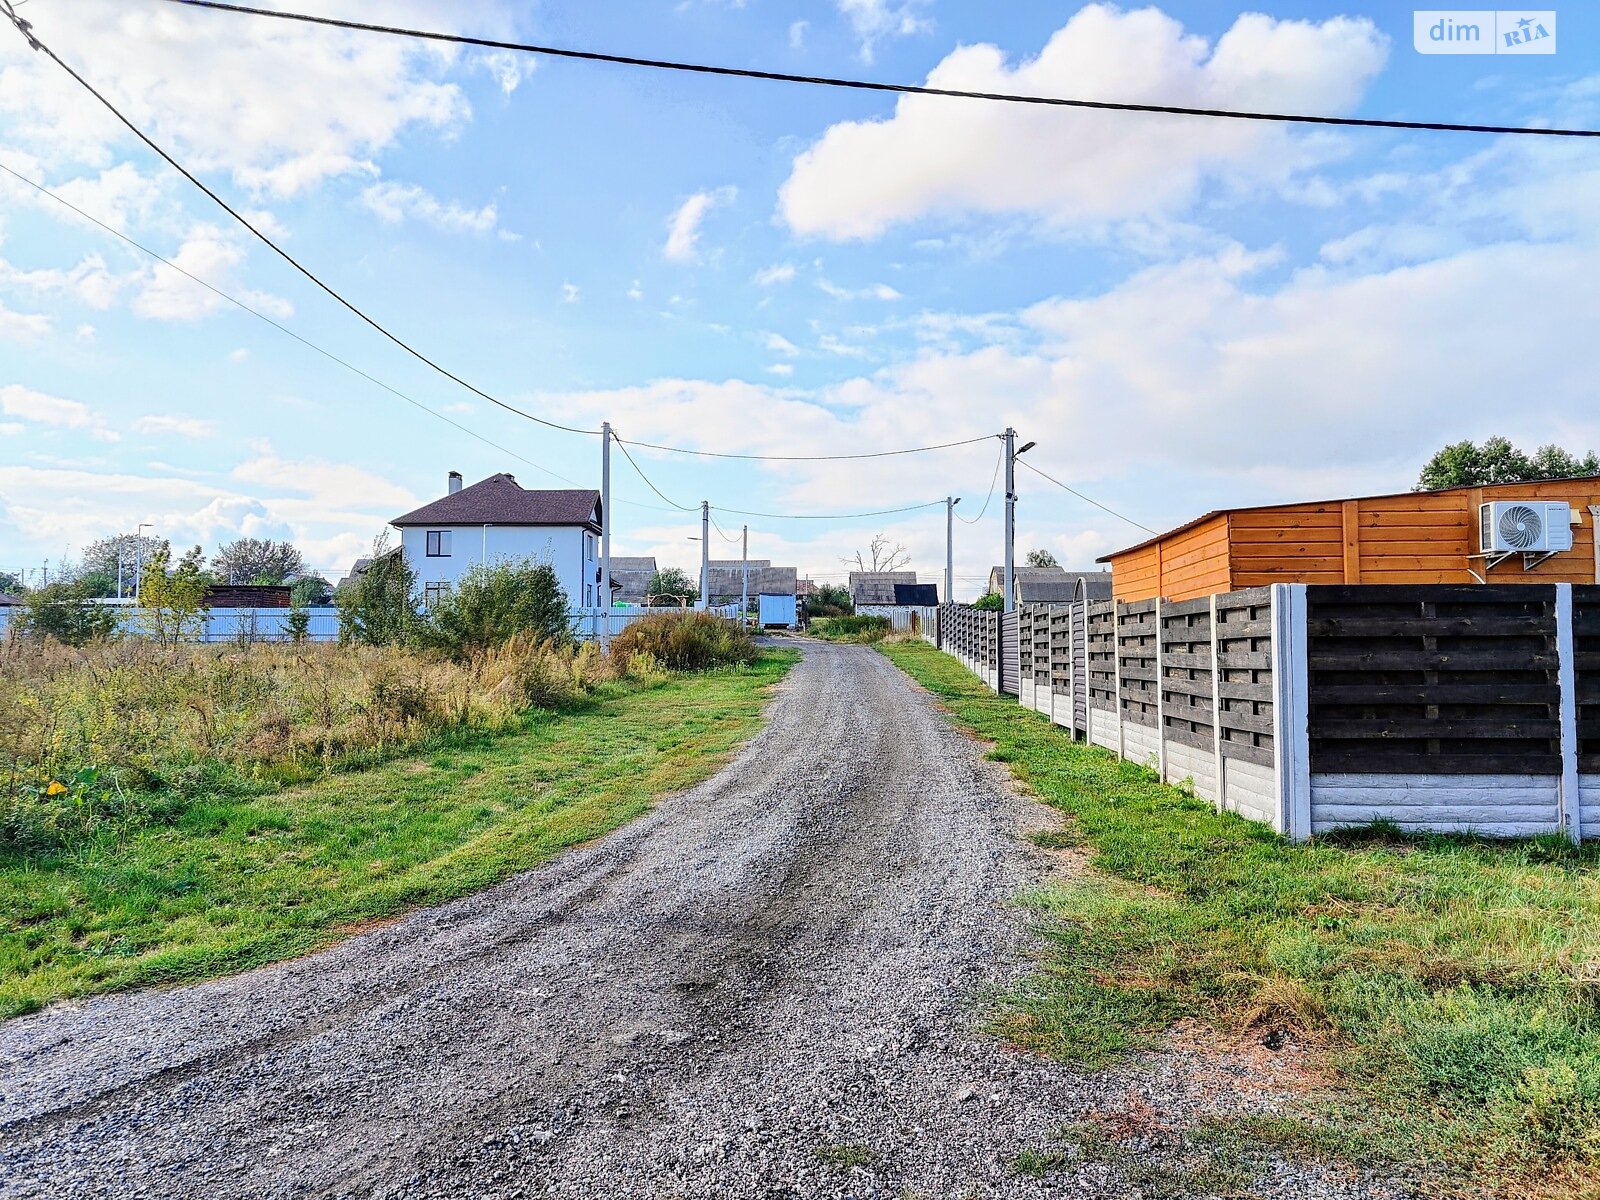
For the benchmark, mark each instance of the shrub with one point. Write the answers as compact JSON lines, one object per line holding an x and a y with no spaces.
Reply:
{"x":172,"y":599}
{"x":66,"y":613}
{"x":694,"y":641}
{"x":856,"y":628}
{"x":379,"y":608}
{"x":990,"y":602}
{"x":830,"y":600}
{"x":491,"y":605}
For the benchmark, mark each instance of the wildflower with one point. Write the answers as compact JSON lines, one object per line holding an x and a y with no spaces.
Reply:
{"x":56,"y":788}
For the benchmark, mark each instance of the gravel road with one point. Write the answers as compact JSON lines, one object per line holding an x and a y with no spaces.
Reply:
{"x":767,"y":987}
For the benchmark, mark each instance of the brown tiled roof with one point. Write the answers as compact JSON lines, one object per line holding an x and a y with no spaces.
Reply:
{"x":500,"y":500}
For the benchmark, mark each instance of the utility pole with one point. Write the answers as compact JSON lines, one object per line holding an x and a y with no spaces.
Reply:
{"x":950,"y":503}
{"x":138,"y":550}
{"x":744,"y":591}
{"x":705,"y":555}
{"x":1011,"y":518}
{"x":605,"y":532}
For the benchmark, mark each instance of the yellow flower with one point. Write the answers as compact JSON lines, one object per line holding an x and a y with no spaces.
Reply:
{"x":56,"y":788}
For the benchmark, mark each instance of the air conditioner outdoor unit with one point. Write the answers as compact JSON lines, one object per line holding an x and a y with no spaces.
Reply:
{"x":1524,"y":526}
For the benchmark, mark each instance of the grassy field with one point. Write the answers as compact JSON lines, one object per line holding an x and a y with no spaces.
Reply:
{"x":242,"y":877}
{"x":1452,"y":983}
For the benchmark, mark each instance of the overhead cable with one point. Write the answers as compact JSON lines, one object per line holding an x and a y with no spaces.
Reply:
{"x":1086,"y":499}
{"x":908,"y":89}
{"x":993,"y":481}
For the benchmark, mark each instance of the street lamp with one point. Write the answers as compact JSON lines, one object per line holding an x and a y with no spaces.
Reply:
{"x":1012,"y":454}
{"x":138,"y":550}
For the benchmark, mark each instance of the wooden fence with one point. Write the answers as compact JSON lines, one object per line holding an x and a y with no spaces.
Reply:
{"x":1312,"y":708}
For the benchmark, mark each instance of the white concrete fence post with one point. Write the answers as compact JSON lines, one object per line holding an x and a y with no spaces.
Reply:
{"x":1221,"y":784}
{"x":1291,"y":738}
{"x":1161,"y":703}
{"x":1571,"y":791}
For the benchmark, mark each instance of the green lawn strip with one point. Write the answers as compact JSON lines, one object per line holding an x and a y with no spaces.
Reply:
{"x":235,"y":881}
{"x":1454,"y":980}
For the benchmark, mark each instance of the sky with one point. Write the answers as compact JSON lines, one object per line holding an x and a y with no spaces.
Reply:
{"x":1183,"y":314}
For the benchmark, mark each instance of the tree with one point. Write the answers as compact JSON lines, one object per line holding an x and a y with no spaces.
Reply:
{"x":379,"y":607}
{"x":172,"y":599}
{"x":11,"y":582}
{"x":880,"y":555}
{"x":252,"y":560}
{"x":670,"y":586}
{"x":1042,"y":558}
{"x":990,"y":602}
{"x":98,"y":569}
{"x":830,"y":600}
{"x":490,"y":605}
{"x":1463,"y":464}
{"x":310,"y":591}
{"x":66,"y":611}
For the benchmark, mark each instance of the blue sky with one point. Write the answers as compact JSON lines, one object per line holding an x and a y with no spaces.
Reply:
{"x":1183,"y":314}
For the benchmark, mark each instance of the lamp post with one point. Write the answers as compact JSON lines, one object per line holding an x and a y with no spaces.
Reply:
{"x":1012,"y":454}
{"x":138,"y":552}
{"x":950,"y":503}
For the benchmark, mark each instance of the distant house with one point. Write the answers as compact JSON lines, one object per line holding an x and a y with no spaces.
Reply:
{"x":7,"y":600}
{"x":498,"y":520}
{"x":727,"y":576}
{"x":1052,"y":585}
{"x":877,"y":587}
{"x":918,"y":595}
{"x":634,"y":576}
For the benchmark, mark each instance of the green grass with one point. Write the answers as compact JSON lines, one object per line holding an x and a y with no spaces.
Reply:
{"x":238,"y":880}
{"x":847,"y":1156}
{"x":1453,"y":981}
{"x":853,"y":628}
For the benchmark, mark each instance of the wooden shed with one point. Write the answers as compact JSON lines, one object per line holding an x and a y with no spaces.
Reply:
{"x":1407,"y":537}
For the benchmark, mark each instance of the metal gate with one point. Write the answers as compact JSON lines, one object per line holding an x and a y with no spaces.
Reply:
{"x":1010,"y":654}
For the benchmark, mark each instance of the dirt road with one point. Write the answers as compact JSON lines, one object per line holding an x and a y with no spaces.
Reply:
{"x":765,"y":988}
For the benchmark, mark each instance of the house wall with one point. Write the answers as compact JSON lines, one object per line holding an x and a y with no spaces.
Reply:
{"x":1413,"y":538}
{"x":572,"y":550}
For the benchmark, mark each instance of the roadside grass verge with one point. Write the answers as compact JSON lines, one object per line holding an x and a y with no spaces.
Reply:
{"x":856,"y":628}
{"x":235,"y":880}
{"x":1452,"y":982}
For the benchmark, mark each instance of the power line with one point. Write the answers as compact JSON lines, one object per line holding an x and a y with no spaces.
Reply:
{"x":993,"y":480}
{"x":725,"y":535}
{"x":816,"y":457}
{"x":1085,"y":499}
{"x":281,"y":328}
{"x":25,"y":29}
{"x":623,"y":446}
{"x":897,"y":88}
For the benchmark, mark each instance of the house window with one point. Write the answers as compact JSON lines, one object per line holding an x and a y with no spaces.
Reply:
{"x":438,"y":543}
{"x":433,"y":593}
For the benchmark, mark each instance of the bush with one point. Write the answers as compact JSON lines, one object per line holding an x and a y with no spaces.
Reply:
{"x":380,"y":607}
{"x":830,"y":600}
{"x":492,"y":605}
{"x":66,"y":613}
{"x":694,"y":641}
{"x":858,"y":628}
{"x":990,"y":602}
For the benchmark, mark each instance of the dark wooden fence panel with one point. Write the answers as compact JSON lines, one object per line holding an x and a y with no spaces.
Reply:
{"x":1438,"y":680}
{"x":1136,"y":654}
{"x":1586,"y":639}
{"x":1101,"y":653}
{"x":1244,"y":659}
{"x":1186,"y":673}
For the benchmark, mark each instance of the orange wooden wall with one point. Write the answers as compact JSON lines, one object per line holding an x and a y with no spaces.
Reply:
{"x":1416,"y":537}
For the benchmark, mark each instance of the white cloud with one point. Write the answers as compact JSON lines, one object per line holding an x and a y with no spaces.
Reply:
{"x":569,"y":293}
{"x":188,"y":427}
{"x":43,"y":409}
{"x":785,"y":369}
{"x":330,"y":486}
{"x":211,"y":254}
{"x":90,"y":283}
{"x":683,"y":229}
{"x":395,"y":202}
{"x":779,"y":344}
{"x":797,"y":34}
{"x":775,"y":274}
{"x":22,"y":327}
{"x":213,"y":90}
{"x":937,"y":157}
{"x":876,"y":291}
{"x":875,"y":20}
{"x":85,"y":333}
{"x":240,"y":355}
{"x":635,"y":292}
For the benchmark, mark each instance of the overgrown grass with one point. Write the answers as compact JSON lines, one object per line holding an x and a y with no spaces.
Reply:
{"x":858,"y":627}
{"x":1454,"y":981}
{"x":238,"y":878}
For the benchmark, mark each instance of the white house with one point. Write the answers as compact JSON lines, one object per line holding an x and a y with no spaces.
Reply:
{"x":498,"y":520}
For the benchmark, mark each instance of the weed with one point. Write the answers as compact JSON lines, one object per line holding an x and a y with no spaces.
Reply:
{"x":847,"y":1156}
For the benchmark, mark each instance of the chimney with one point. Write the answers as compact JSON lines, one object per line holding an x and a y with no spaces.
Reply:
{"x":455,"y":482}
